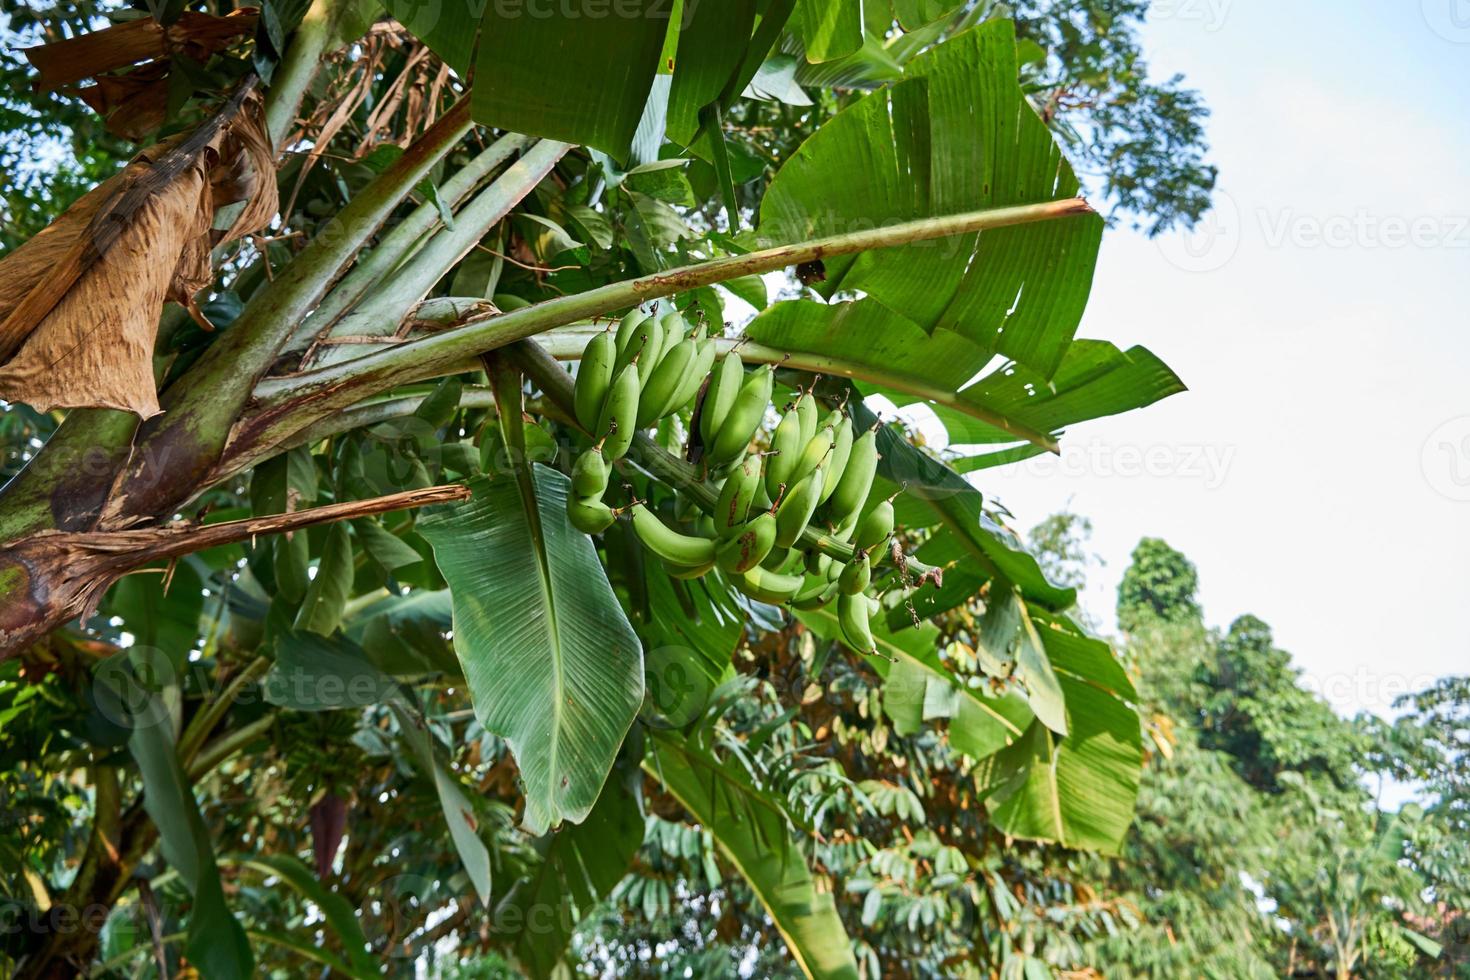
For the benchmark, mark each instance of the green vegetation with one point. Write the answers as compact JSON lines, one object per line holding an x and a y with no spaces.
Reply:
{"x":370,"y":605}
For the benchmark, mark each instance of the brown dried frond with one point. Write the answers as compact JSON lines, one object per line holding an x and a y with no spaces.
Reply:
{"x":196,"y":35}
{"x":79,"y":302}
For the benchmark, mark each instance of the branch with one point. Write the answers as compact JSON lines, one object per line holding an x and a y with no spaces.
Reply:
{"x":288,"y":403}
{"x":378,"y":264}
{"x":54,"y":576}
{"x":393,"y":301}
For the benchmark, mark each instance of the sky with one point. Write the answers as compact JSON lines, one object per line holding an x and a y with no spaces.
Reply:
{"x":1318,"y":470}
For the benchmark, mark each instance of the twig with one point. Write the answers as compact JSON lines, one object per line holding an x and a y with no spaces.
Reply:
{"x":523,"y":265}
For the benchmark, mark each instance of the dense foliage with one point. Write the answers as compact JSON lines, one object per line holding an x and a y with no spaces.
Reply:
{"x":322,"y":667}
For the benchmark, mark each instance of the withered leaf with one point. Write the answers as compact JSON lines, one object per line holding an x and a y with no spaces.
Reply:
{"x":79,"y":302}
{"x":196,"y":35}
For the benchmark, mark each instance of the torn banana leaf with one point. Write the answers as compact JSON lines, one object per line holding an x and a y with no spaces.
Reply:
{"x":79,"y":302}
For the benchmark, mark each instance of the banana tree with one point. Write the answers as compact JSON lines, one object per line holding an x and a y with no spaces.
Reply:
{"x":344,"y":285}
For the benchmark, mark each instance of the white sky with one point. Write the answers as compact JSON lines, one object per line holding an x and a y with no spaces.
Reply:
{"x":1313,"y":470}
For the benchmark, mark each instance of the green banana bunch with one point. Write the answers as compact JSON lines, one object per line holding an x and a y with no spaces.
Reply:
{"x":650,"y":368}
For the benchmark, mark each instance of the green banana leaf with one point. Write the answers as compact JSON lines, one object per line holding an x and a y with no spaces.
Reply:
{"x":552,"y":664}
{"x":593,"y":77}
{"x":580,"y":864}
{"x":216,"y":942}
{"x":751,"y":832}
{"x":919,"y":688}
{"x":337,"y":911}
{"x":458,"y":811}
{"x":886,"y":353}
{"x":829,"y":29}
{"x":1078,"y":790}
{"x":708,"y":54}
{"x":956,"y":134}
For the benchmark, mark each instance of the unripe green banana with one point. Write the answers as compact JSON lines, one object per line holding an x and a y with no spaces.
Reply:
{"x":724,"y":385}
{"x":589,"y":474}
{"x":852,"y":489}
{"x":618,"y":422}
{"x":806,"y":411}
{"x":762,"y":500}
{"x":815,"y":595}
{"x":786,"y":446}
{"x":675,"y":329}
{"x":671,"y":374}
{"x":629,"y":323}
{"x":733,"y":506}
{"x":764,"y":585}
{"x":747,"y":549}
{"x":795,"y":512}
{"x":681,"y":572}
{"x":704,"y":358}
{"x":856,"y":575}
{"x":682,"y":550}
{"x":853,"y":612}
{"x":644,"y":347}
{"x":743,"y":418}
{"x":589,"y":515}
{"x":594,"y":378}
{"x":815,"y":454}
{"x":841,"y":452}
{"x":783,"y":560}
{"x":817,"y":563}
{"x":875,"y":527}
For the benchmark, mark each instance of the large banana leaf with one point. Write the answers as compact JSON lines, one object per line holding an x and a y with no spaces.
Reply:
{"x":751,"y":832}
{"x":830,"y":28}
{"x":216,"y":941}
{"x":918,"y":688}
{"x":708,"y":55}
{"x":335,"y":909}
{"x":585,"y":73}
{"x":551,"y":662}
{"x":1078,"y":790}
{"x":580,"y":864}
{"x":570,"y":76}
{"x":957,"y":134}
{"x":887,"y":353}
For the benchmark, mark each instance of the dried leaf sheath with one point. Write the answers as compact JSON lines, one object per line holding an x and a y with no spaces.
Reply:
{"x":79,"y":303}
